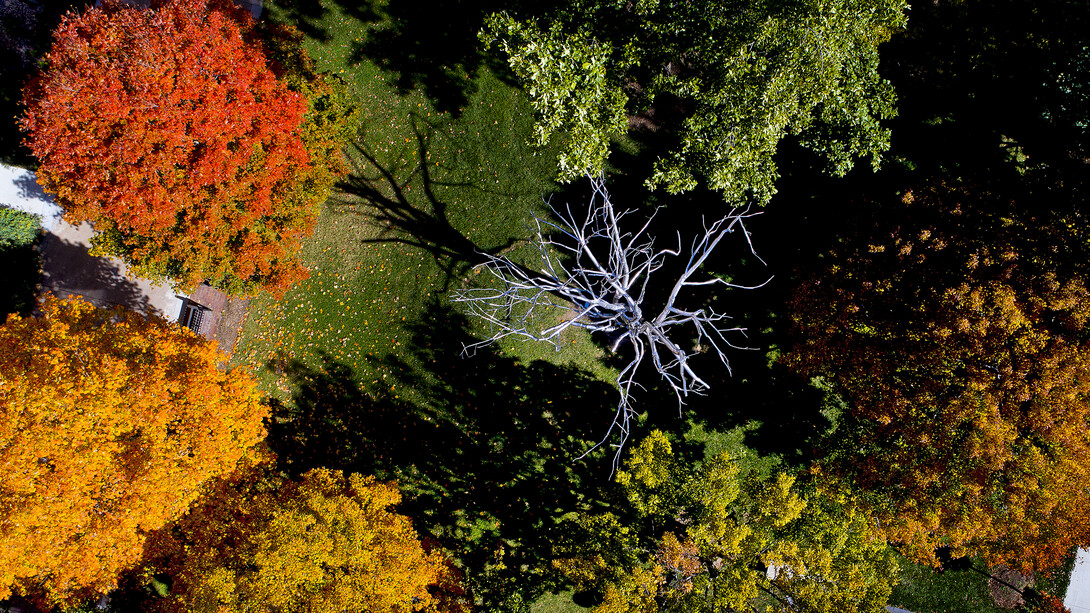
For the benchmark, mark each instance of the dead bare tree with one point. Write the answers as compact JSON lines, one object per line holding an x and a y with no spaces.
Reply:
{"x":597,"y":273}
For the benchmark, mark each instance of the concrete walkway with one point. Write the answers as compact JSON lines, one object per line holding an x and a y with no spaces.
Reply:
{"x":254,"y":6}
{"x":1078,"y":591}
{"x":67,"y":265}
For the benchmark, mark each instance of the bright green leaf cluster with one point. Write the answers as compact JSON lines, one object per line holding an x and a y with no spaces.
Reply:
{"x":17,"y":228}
{"x":718,"y":536}
{"x":729,"y":79}
{"x":571,"y":90}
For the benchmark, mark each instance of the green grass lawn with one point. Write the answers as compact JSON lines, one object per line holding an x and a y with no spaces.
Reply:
{"x":556,"y":603}
{"x":427,"y":190}
{"x":923,"y":590}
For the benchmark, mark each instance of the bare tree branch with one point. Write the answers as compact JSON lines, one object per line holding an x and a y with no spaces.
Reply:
{"x":592,"y":268}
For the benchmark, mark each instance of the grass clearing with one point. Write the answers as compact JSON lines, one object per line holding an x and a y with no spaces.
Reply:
{"x":427,"y":189}
{"x":556,"y":603}
{"x":924,"y":589}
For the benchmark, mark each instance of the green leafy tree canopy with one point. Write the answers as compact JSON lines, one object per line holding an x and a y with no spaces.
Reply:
{"x":729,"y":79}
{"x":17,"y":229}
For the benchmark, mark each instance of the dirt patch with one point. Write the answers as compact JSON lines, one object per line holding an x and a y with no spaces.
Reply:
{"x":230,"y":323}
{"x":643,"y":121}
{"x":1003,"y":595}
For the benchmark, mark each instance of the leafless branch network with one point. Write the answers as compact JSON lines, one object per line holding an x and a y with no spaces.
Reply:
{"x":598,"y":274}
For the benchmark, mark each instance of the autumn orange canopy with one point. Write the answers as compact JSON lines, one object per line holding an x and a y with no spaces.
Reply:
{"x":965,"y":368}
{"x":326,"y":543}
{"x":110,"y":422}
{"x":167,"y":127}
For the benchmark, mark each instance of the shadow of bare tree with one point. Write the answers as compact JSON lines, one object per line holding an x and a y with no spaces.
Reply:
{"x":398,"y":220}
{"x":486,"y":454}
{"x":421,"y":219}
{"x":432,"y":46}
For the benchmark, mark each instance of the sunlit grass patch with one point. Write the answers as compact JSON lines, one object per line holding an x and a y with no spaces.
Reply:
{"x":426,"y":190}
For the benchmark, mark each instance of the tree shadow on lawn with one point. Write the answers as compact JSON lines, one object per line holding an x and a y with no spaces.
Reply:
{"x":784,"y":415}
{"x":433,"y":45}
{"x":307,"y":17}
{"x":378,"y":194}
{"x":430,"y":45}
{"x":486,"y":456}
{"x":398,"y":220}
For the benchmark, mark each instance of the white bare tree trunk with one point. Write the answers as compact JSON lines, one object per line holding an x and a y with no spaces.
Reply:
{"x":589,"y":266}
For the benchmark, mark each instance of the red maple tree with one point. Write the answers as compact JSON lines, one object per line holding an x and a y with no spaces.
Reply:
{"x":166,"y":129}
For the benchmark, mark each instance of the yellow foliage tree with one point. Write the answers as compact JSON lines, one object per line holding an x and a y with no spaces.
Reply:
{"x":110,"y":422}
{"x":724,"y":538}
{"x":325,"y":543}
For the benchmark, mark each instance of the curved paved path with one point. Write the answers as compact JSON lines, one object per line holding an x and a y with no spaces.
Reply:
{"x":1078,"y":591}
{"x":67,"y":265}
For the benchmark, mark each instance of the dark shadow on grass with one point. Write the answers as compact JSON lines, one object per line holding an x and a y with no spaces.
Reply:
{"x":380,"y":197}
{"x":485,"y":452}
{"x":20,"y":277}
{"x":305,"y":16}
{"x":432,"y":46}
{"x":789,"y":417}
{"x":426,"y":45}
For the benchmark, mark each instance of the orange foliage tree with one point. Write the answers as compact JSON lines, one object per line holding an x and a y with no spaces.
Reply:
{"x":168,"y":131}
{"x":110,"y":422}
{"x":965,"y":367}
{"x":325,"y":543}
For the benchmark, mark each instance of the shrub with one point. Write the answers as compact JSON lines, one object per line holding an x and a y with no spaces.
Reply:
{"x":17,"y":229}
